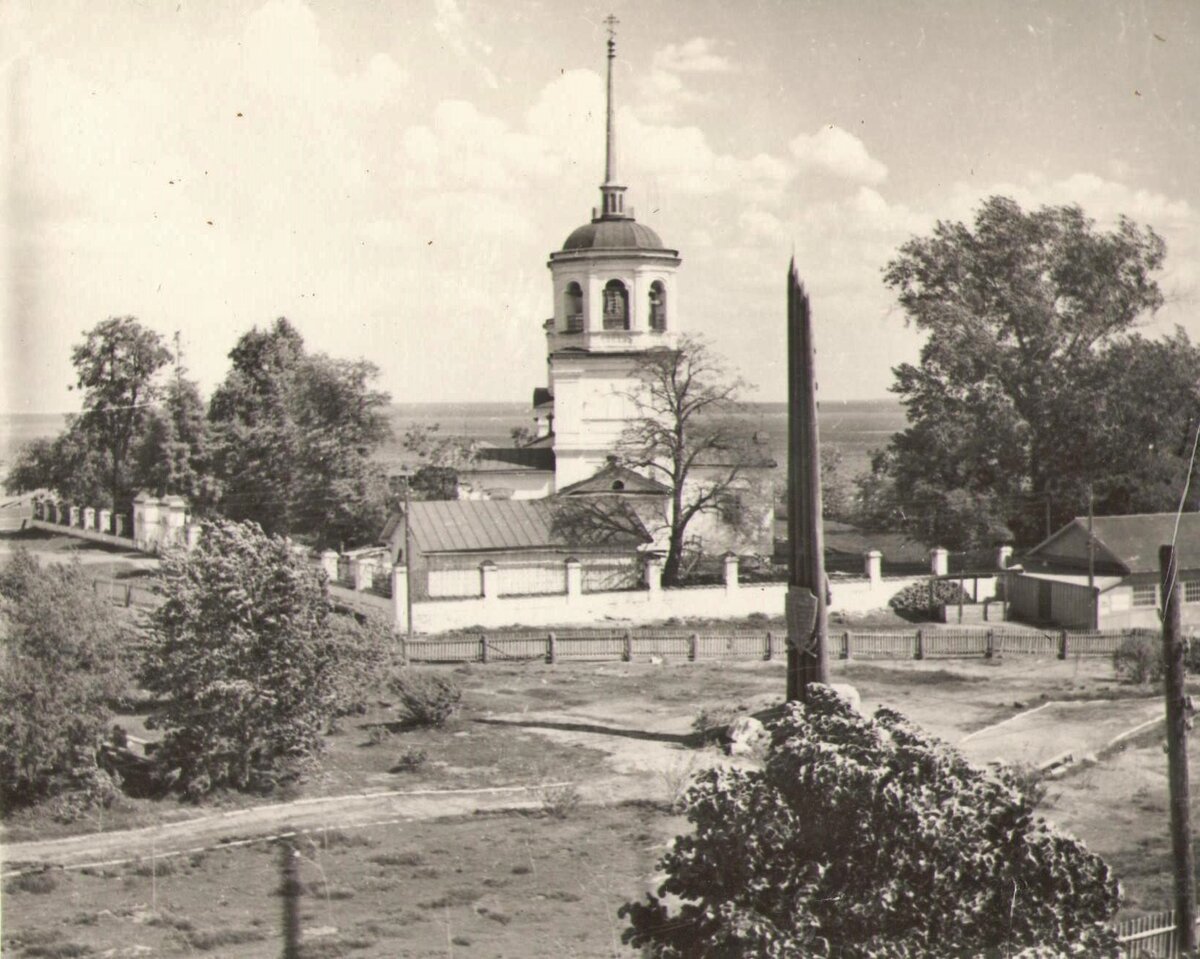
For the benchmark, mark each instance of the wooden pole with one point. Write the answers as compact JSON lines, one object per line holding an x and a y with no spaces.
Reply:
{"x":1177,"y":758}
{"x":408,"y":557}
{"x":808,"y":653}
{"x":290,"y":889}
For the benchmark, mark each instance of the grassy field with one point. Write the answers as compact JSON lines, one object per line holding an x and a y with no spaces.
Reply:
{"x":545,"y":882}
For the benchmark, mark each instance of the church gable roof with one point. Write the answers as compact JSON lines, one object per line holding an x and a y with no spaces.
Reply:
{"x":618,"y":480}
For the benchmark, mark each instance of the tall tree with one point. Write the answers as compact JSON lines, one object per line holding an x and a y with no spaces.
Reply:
{"x":684,"y":437}
{"x":441,"y":457}
{"x":117,"y":366}
{"x":173,"y":451}
{"x":1018,"y":310}
{"x":244,"y":654}
{"x":293,"y":439}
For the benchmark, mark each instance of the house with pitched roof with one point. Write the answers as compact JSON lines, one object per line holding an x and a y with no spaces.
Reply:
{"x":509,"y":547}
{"x":1110,"y":578}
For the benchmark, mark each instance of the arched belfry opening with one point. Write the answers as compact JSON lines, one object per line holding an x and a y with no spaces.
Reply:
{"x":658,"y":306}
{"x":573,"y":307}
{"x":616,"y":306}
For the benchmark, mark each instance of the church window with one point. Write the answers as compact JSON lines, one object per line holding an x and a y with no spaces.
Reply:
{"x":658,"y":306}
{"x":616,"y":306}
{"x":574,"y":308}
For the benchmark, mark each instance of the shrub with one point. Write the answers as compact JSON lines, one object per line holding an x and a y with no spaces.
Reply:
{"x":409,"y":760}
{"x":865,"y":838}
{"x":561,"y":801}
{"x":38,"y":883}
{"x":913,"y":603}
{"x":712,"y":724}
{"x":427,"y":699}
{"x":1139,"y":659}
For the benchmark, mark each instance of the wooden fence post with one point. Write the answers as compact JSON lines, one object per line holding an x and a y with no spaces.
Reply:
{"x":1062,"y":644}
{"x":483,"y":648}
{"x":128,"y":596}
{"x":767,"y":652}
{"x":990,"y":651}
{"x":403,"y":650}
{"x":693,"y":647}
{"x":627,"y":654}
{"x":551,"y":648}
{"x":920,"y":645}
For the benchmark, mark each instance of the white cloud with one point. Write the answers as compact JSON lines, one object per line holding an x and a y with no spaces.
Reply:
{"x":831,"y":150}
{"x":694,"y":56}
{"x":451,"y":25}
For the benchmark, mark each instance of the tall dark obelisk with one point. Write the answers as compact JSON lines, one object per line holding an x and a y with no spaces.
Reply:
{"x":808,"y":655}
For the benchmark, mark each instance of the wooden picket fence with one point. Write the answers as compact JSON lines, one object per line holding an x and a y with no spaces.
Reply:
{"x":667,"y":643}
{"x":1153,"y":936}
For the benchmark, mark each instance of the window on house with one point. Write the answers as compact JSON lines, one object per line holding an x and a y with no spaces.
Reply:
{"x":574,"y":308}
{"x":616,"y":306}
{"x":1145,"y":595}
{"x":1191,"y":591}
{"x":658,"y":306}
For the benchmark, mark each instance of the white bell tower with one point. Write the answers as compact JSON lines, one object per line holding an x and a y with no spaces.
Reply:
{"x":614,"y":300}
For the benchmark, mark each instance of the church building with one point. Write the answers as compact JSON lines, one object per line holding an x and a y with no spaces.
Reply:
{"x":614,"y":299}
{"x":614,"y":304}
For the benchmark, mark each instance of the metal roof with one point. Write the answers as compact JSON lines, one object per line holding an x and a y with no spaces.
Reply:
{"x":1133,"y":541}
{"x":471,"y":525}
{"x":523,"y":459}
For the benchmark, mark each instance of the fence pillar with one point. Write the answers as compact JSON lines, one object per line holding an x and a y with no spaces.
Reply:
{"x":1062,"y":644}
{"x":920,"y":645}
{"x":329,"y":563}
{"x":873,"y":563}
{"x":990,"y":649}
{"x":104,"y":520}
{"x":574,"y":579}
{"x":489,"y":585}
{"x":174,"y":519}
{"x":120,"y":521}
{"x":552,"y":648}
{"x":51,"y":512}
{"x":89,"y":517}
{"x":731,"y":573}
{"x":483,"y":648}
{"x":939,"y":561}
{"x":627,"y":653}
{"x":399,"y":594}
{"x":72,"y":515}
{"x":362,"y":572}
{"x":191,"y":536}
{"x":654,"y":576}
{"x":693,"y":647}
{"x":1003,"y":557}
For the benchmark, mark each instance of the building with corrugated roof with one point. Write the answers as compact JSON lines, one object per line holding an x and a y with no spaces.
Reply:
{"x":1120,"y":562}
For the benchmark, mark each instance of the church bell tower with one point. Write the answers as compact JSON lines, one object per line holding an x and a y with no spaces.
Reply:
{"x":614,"y":300}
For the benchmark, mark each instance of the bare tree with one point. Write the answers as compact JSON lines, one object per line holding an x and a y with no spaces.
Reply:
{"x":685,"y":436}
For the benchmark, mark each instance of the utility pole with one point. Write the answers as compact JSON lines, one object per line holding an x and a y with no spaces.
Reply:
{"x":1178,"y":720}
{"x":1094,"y":618}
{"x":808,"y":653}
{"x":290,"y":893}
{"x":408,"y":596}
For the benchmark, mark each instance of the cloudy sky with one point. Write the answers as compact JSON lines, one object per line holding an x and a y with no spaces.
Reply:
{"x":391,"y":176}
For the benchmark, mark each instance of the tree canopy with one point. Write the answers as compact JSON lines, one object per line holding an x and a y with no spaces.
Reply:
{"x":866,"y":838}
{"x":1021,"y":400}
{"x":293,"y":439}
{"x":247,"y":659}
{"x":63,"y":664}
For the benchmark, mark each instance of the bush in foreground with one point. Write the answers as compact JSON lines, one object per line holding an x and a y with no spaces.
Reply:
{"x":865,"y":838}
{"x":426,"y":699}
{"x":913,"y":601}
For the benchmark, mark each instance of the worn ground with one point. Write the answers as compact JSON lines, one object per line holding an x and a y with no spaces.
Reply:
{"x":438,"y":878}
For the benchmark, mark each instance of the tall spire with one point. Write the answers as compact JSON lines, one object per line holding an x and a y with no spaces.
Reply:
{"x":612,"y":199}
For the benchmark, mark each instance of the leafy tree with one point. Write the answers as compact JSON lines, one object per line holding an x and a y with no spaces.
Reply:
{"x":293,"y":438}
{"x":117,"y":366}
{"x":62,"y":666}
{"x":866,"y":838}
{"x":684,"y":436}
{"x":173,"y":452}
{"x":69,"y":465}
{"x":1019,"y":310}
{"x":247,"y":659}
